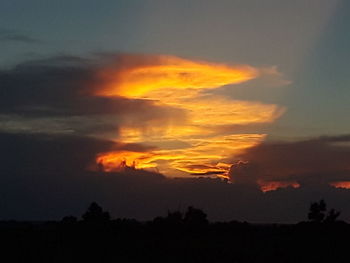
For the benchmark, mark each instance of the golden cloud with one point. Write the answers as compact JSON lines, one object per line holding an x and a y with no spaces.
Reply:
{"x":186,"y":85}
{"x":138,"y":78}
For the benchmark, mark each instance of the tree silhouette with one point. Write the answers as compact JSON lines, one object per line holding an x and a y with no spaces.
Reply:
{"x":69,"y":220}
{"x":175,"y":217}
{"x":195,"y":217}
{"x":95,"y":214}
{"x":332,"y":216}
{"x":317,"y":211}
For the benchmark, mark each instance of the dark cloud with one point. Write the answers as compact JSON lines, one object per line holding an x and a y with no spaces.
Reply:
{"x":46,"y":177}
{"x":15,"y":36}
{"x":28,"y":153}
{"x":58,"y":90}
{"x":315,"y":161}
{"x":39,"y":170}
{"x":48,"y":154}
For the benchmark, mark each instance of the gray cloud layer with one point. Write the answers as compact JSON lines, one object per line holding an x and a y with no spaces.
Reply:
{"x":315,"y":161}
{"x":55,"y":93}
{"x":44,"y":177}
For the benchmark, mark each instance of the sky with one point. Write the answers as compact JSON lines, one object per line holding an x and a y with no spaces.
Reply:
{"x":238,"y":107}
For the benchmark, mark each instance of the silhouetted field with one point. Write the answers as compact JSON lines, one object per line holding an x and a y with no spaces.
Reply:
{"x":178,"y":237}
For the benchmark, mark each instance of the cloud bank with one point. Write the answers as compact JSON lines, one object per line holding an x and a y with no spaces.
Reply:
{"x":165,"y":103}
{"x":163,"y":114}
{"x":43,"y":177}
{"x":316,"y":161}
{"x":188,"y":86}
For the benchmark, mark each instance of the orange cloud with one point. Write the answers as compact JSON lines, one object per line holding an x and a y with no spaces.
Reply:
{"x":140,"y":76}
{"x":267,"y":186}
{"x":180,"y":83}
{"x":341,"y":184}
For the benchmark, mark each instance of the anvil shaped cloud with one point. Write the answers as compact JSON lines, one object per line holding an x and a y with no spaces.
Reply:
{"x":186,"y":85}
{"x":165,"y":104}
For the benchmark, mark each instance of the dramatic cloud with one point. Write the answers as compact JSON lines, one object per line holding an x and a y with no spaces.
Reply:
{"x":51,"y":96}
{"x":43,"y":177}
{"x":141,"y":75}
{"x":166,"y":103}
{"x":189,"y":86}
{"x":319,"y":161}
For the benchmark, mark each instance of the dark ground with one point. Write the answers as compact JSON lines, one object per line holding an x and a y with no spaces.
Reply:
{"x":175,"y":238}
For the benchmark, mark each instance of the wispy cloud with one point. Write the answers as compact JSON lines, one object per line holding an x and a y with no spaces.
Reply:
{"x":16,"y":36}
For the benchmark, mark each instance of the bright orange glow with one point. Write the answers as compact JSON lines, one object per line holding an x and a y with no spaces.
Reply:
{"x":117,"y":160}
{"x":202,"y":158}
{"x":202,"y":142}
{"x":341,"y":184}
{"x":165,"y":72}
{"x":274,"y":185}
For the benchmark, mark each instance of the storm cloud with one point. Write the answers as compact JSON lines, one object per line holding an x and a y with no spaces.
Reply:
{"x":52,"y":129}
{"x":321,"y":160}
{"x":45,"y":177}
{"x":53,"y":95}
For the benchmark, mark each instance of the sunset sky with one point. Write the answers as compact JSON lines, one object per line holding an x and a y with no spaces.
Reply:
{"x":240,"y":107}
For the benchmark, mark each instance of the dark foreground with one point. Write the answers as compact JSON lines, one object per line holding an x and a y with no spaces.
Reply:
{"x":173,"y":240}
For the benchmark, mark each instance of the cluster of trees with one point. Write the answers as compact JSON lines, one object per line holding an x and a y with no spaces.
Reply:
{"x":177,"y":237}
{"x":318,"y":213}
{"x":96,"y":214}
{"x":192,"y":217}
